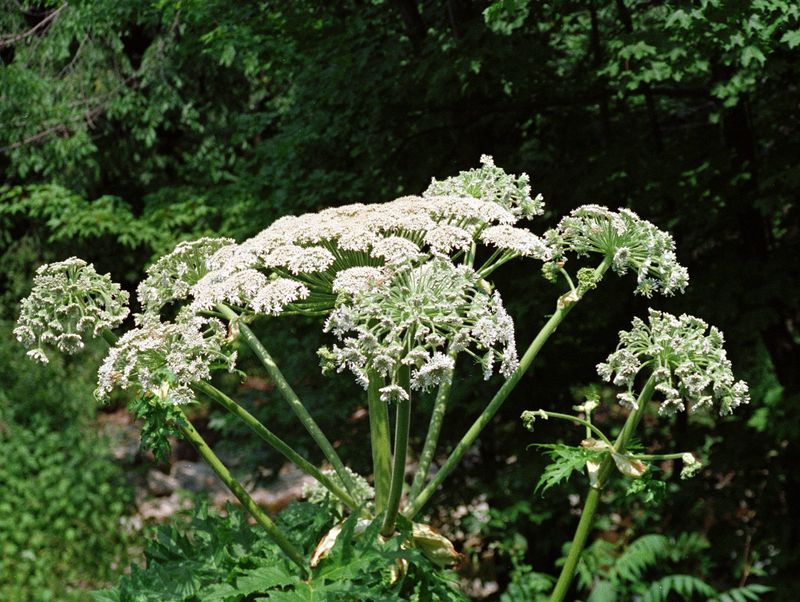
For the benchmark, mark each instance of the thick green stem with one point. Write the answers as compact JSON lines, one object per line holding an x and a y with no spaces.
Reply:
{"x":578,"y":542}
{"x":276,"y":442}
{"x":565,"y":305}
{"x":291,"y":398}
{"x":431,"y":439}
{"x":225,"y":476}
{"x":381,"y":442}
{"x":401,"y":428}
{"x":593,"y":498}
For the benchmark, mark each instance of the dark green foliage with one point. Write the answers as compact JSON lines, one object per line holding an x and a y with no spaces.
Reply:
{"x":62,"y":499}
{"x":125,"y":126}
{"x":224,"y":559}
{"x":617,"y":572}
{"x":649,"y":489}
{"x":60,"y":514}
{"x":160,"y":423}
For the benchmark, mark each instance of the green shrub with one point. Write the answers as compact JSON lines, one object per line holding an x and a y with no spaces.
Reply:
{"x":62,"y":499}
{"x":224,"y":559}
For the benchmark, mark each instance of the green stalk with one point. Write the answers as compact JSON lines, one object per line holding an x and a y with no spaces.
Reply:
{"x":225,"y":476}
{"x":381,"y":443}
{"x":402,"y":425}
{"x":589,"y":426}
{"x":593,"y":498}
{"x":565,"y":305}
{"x":292,"y":399}
{"x":276,"y":442}
{"x":653,"y":457}
{"x":432,"y":438}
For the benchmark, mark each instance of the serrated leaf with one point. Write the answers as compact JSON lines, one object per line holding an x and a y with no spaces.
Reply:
{"x":105,"y":595}
{"x":565,"y":461}
{"x":219,"y":592}
{"x":263,"y":578}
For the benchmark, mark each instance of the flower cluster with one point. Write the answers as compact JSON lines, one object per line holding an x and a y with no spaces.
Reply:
{"x":69,"y":301}
{"x":633,"y":244}
{"x":172,"y":277}
{"x":163,"y":359}
{"x":298,"y":261}
{"x":687,"y":360}
{"x":419,"y":320}
{"x":491,"y":183}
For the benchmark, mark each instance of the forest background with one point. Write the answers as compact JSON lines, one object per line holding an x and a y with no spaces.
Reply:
{"x":129,"y":125}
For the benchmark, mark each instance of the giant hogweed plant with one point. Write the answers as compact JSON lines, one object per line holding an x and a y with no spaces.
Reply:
{"x":404,"y":290}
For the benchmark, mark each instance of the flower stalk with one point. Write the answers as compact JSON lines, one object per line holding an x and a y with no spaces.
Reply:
{"x":589,"y":426}
{"x":381,"y":442}
{"x":593,"y":497}
{"x":431,"y":438}
{"x":402,"y":426}
{"x":291,"y":398}
{"x":565,"y":305}
{"x":276,"y":442}
{"x":236,"y":488}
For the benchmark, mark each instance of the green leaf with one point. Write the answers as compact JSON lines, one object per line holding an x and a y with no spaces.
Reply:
{"x":751,"y":53}
{"x":603,"y":591}
{"x":219,"y":592}
{"x":565,"y":460}
{"x":642,"y":553}
{"x":791,"y":38}
{"x":105,"y":595}
{"x":263,"y":578}
{"x":683,"y":585}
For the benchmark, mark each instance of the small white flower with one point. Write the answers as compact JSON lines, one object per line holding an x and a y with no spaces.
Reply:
{"x":395,"y":249}
{"x":687,"y":360}
{"x":69,"y":301}
{"x":273,"y":297}
{"x":633,"y":243}
{"x":299,"y":260}
{"x":447,"y":238}
{"x":164,"y":359}
{"x":393,"y":393}
{"x":491,"y":183}
{"x":419,"y":316}
{"x":516,"y":240}
{"x":355,"y":280}
{"x":438,"y":369}
{"x":173,"y":275}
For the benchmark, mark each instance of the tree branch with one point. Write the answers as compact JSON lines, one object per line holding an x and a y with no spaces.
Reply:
{"x":11,"y":39}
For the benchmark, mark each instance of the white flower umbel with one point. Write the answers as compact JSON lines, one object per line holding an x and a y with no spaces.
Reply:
{"x":273,"y":298}
{"x":687,"y":360}
{"x":69,"y":301}
{"x":163,"y":359}
{"x":173,"y":275}
{"x":315,"y":250}
{"x":491,"y":183}
{"x":355,"y":280}
{"x":517,"y":241}
{"x":632,"y":243}
{"x":417,"y":318}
